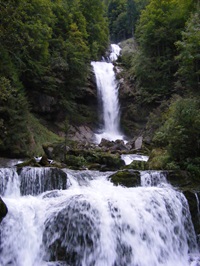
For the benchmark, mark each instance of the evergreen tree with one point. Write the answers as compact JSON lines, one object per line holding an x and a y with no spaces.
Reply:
{"x":189,"y":53}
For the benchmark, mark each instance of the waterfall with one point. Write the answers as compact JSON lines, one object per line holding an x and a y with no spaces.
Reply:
{"x":91,"y":222}
{"x":107,"y":87}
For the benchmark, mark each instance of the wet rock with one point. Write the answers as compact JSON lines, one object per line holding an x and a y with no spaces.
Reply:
{"x":3,"y":209}
{"x":42,"y":161}
{"x":127,"y":178}
{"x":193,"y":202}
{"x":180,"y":179}
{"x":106,"y":143}
{"x":190,"y":187}
{"x":35,"y":181}
{"x":72,"y":233}
{"x":56,"y":151}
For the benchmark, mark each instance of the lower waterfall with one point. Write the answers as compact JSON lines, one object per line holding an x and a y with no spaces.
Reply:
{"x":90,"y":222}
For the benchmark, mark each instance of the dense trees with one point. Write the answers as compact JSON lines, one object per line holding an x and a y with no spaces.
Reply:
{"x":189,"y":53}
{"x":123,"y":16}
{"x":46,"y":47}
{"x":165,"y":63}
{"x":14,"y":136}
{"x":35,"y":33}
{"x":159,"y":28}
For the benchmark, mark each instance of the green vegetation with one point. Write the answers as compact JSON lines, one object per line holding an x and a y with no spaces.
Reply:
{"x":164,"y":73}
{"x":122,"y":16}
{"x":46,"y":48}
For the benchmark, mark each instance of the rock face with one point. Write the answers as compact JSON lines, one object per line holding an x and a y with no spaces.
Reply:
{"x":3,"y":209}
{"x":81,"y":133}
{"x":34,"y":181}
{"x":190,"y":187}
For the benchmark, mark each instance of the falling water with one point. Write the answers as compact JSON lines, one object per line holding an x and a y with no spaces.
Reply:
{"x":107,"y":86}
{"x":94,"y":223}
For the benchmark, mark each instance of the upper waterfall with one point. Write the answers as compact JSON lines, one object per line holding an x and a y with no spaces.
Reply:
{"x":107,"y":87}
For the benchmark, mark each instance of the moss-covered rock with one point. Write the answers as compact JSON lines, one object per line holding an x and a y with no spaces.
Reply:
{"x":75,"y":162}
{"x":81,"y":159}
{"x":3,"y":209}
{"x":127,"y":178}
{"x":41,"y":162}
{"x":137,"y":165}
{"x":181,"y":179}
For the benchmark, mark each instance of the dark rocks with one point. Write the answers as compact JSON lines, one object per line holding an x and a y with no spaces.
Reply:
{"x":42,"y":161}
{"x":34,"y":181}
{"x":3,"y":209}
{"x":137,"y":165}
{"x":56,"y":151}
{"x":193,"y":202}
{"x":81,"y":159}
{"x":186,"y":183}
{"x":127,"y":178}
{"x":181,"y":179}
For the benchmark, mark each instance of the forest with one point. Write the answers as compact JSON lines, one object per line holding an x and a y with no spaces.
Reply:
{"x":46,"y":48}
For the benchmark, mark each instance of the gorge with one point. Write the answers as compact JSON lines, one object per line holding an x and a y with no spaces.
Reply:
{"x":63,"y":217}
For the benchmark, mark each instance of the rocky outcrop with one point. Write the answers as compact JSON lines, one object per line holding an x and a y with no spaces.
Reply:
{"x":3,"y":209}
{"x":193,"y":202}
{"x":81,"y":134}
{"x":127,"y":178}
{"x":81,"y":154}
{"x":34,"y":181}
{"x":185,"y":182}
{"x":42,"y":161}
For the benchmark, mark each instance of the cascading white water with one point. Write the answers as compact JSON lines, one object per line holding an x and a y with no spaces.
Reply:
{"x":107,"y":86}
{"x":94,"y":223}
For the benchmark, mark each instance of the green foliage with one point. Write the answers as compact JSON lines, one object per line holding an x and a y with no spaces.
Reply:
{"x":189,"y":53}
{"x":122,"y":16}
{"x":96,"y":26}
{"x":159,"y":27}
{"x":159,"y":158}
{"x":46,"y":47}
{"x":180,"y":133}
{"x":43,"y":38}
{"x":38,"y":135}
{"x":14,"y":135}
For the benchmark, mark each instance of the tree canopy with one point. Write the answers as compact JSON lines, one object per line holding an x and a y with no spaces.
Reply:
{"x":46,"y":48}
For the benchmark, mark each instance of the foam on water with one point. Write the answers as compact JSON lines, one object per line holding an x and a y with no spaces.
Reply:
{"x":94,"y":223}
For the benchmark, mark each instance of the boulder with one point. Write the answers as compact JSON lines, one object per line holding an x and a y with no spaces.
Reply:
{"x":3,"y":209}
{"x":42,"y":161}
{"x":127,"y":178}
{"x":138,"y":143}
{"x":137,"y":165}
{"x":81,"y":134}
{"x":181,"y":179}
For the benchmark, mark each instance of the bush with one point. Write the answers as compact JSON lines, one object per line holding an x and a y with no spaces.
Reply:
{"x":180,"y":133}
